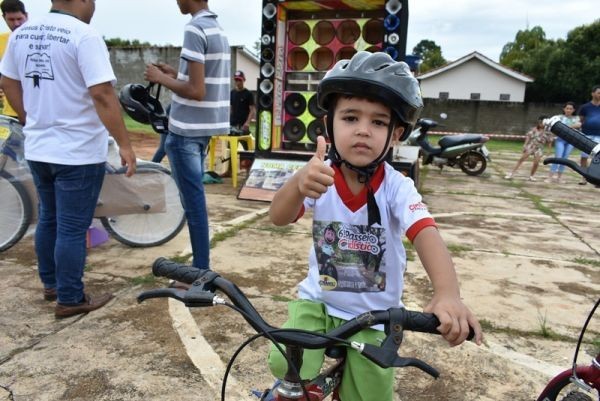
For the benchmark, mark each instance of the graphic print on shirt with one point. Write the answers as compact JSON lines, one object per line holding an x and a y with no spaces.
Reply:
{"x":350,"y":257}
{"x":37,"y":67}
{"x":38,"y":64}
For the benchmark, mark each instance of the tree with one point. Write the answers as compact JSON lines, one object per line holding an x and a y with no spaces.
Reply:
{"x":563,"y":70}
{"x":515,"y":53}
{"x":118,"y":42}
{"x":430,"y":53}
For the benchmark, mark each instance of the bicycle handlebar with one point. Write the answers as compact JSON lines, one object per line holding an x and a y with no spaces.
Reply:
{"x":581,"y":142}
{"x":204,"y":284}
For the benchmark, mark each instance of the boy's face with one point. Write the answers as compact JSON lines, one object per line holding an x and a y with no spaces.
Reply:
{"x":361,"y":127}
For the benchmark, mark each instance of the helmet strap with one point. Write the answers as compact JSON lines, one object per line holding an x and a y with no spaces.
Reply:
{"x":364,"y":173}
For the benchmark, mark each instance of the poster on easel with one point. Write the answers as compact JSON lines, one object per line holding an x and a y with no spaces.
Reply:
{"x":266,"y":176}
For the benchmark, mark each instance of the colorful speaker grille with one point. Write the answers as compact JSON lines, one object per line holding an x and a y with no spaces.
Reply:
{"x":303,"y":119}
{"x":318,"y":45}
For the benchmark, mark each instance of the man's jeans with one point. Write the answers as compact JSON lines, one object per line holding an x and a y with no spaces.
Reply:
{"x":186,"y":157}
{"x":67,"y":200}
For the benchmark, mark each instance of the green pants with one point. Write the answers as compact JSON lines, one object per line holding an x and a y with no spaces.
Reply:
{"x":362,"y":379}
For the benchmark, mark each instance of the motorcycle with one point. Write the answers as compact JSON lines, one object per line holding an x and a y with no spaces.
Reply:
{"x":466,"y":151}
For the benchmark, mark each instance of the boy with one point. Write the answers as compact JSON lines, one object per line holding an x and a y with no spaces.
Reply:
{"x":370,"y":206}
{"x":535,"y":140}
{"x":199,"y":109}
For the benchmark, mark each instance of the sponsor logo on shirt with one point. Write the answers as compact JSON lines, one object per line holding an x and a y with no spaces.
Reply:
{"x":417,"y":206}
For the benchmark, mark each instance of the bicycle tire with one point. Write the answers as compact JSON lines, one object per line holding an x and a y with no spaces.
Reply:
{"x":144,"y":230}
{"x":577,"y":396}
{"x":15,"y":213}
{"x":564,"y":390}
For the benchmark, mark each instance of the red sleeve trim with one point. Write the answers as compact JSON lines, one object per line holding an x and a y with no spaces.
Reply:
{"x":300,"y":213}
{"x":418,"y":226}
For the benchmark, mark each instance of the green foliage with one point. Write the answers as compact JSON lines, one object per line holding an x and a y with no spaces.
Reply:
{"x":564,"y":70}
{"x":430,"y":53}
{"x":118,"y":42}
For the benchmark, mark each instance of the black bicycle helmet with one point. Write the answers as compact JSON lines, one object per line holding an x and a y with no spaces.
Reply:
{"x":373,"y":76}
{"x":143,"y":107}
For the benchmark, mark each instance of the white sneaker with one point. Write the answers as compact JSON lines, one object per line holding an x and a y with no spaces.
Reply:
{"x":508,"y":176}
{"x":532,"y":178}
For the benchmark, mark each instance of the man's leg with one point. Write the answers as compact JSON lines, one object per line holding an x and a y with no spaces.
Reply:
{"x":45,"y":232}
{"x":186,"y":157}
{"x":77,"y":189}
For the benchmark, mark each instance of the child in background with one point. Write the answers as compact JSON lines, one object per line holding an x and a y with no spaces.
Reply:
{"x":535,"y":140}
{"x":371,"y":102}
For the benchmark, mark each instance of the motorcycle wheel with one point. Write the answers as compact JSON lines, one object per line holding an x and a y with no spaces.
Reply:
{"x":472,"y":163}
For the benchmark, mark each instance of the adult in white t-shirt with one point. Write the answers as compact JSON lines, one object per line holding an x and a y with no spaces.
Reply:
{"x":56,"y":73}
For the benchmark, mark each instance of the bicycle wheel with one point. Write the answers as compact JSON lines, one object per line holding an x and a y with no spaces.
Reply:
{"x":150,"y":229}
{"x":564,"y":390}
{"x":15,"y":212}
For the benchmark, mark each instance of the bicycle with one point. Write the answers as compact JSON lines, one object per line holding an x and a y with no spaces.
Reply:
{"x":202,"y":293}
{"x":141,"y":211}
{"x":577,"y":383}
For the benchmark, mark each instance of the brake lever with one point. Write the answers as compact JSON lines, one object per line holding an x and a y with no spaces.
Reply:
{"x":594,"y":168}
{"x":162,"y":293}
{"x":401,"y":362}
{"x":193,"y":297}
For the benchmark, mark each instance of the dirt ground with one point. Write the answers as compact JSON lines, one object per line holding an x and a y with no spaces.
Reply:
{"x":527,"y":255}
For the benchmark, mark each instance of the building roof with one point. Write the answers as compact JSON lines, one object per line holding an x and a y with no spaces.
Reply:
{"x":475,"y":55}
{"x":246,"y":52}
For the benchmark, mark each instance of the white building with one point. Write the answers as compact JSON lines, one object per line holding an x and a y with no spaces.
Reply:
{"x":474,"y":77}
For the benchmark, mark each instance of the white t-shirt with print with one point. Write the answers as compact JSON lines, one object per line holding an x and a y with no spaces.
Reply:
{"x":57,"y":58}
{"x":354,"y":269}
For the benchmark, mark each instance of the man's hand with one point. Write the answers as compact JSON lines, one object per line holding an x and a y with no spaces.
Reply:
{"x":316,"y":177}
{"x":128,"y":159}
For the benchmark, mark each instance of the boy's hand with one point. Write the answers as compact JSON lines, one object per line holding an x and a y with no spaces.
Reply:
{"x":316,"y":177}
{"x":153,"y":73}
{"x":455,"y":319}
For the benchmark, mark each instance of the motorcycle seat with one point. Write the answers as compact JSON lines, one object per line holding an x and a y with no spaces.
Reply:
{"x":455,"y":140}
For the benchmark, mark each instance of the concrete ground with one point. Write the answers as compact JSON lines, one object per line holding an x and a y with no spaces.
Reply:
{"x":527,"y":255}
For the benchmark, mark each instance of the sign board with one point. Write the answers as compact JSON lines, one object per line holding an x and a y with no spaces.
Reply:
{"x":266,"y":176}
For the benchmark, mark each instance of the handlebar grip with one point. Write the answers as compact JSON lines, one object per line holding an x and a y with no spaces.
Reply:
{"x":573,"y":136}
{"x":427,"y":323}
{"x":163,"y":267}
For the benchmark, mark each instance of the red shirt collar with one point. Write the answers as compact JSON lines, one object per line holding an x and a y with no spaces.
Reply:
{"x":351,"y":201}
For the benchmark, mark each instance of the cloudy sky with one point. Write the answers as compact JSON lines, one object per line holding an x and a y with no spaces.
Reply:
{"x":458,"y":26}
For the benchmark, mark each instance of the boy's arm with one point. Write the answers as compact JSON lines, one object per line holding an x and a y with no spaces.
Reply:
{"x":311,"y":181}
{"x":455,"y":318}
{"x":194,"y":88}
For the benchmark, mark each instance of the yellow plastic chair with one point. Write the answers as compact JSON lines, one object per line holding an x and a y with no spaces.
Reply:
{"x":233,"y":142}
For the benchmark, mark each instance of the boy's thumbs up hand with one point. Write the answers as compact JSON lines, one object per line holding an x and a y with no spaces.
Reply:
{"x":316,"y":177}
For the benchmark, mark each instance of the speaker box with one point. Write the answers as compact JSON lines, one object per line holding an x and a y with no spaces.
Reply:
{"x":303,"y":120}
{"x":316,"y":45}
{"x":395,"y":28}
{"x":266,"y":80}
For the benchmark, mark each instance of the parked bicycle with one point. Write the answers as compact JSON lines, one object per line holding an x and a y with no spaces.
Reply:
{"x":140,"y":211}
{"x":202,"y":293}
{"x":581,"y":382}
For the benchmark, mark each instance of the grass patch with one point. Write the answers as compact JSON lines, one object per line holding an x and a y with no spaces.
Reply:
{"x":458,"y":250}
{"x":182,"y":259}
{"x":134,"y":126}
{"x":489,"y":327}
{"x":590,"y":262}
{"x":281,"y":298}
{"x":495,"y":145}
{"x":537,"y":202}
{"x":232,"y":231}
{"x":144,"y":280}
{"x":410,"y":250}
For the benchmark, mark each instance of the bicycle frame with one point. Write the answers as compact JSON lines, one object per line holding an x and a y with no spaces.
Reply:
{"x":586,"y":378}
